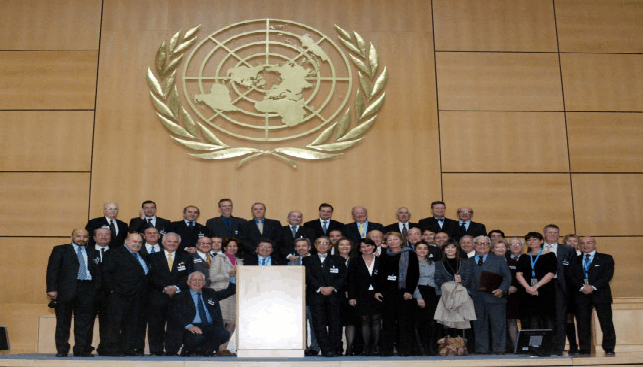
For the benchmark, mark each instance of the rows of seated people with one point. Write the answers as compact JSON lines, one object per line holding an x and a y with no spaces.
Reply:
{"x":384,"y":290}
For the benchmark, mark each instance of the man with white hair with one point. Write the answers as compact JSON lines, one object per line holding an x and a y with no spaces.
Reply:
{"x":118,"y":229}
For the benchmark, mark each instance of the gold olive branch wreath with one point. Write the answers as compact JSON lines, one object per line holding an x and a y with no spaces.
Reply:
{"x":177,"y":120}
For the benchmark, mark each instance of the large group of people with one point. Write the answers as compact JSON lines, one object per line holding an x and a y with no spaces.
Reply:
{"x":386,"y":290}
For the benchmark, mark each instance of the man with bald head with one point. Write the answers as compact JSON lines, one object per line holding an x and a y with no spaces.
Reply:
{"x":117,"y":228}
{"x":467,"y":227}
{"x":126,"y":275}
{"x":72,"y":284}
{"x":294,"y":230}
{"x":361,"y":226}
{"x":590,"y":275}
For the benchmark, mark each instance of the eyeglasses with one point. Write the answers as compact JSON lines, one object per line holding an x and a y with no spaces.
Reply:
{"x":516,"y":244}
{"x":465,"y":211}
{"x":482,"y":243}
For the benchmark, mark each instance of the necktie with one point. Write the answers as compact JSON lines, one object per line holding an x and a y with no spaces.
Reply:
{"x":362,"y":232}
{"x":207,"y":259}
{"x":170,"y":261}
{"x":228,"y":224}
{"x":260,"y":226}
{"x":586,"y":267}
{"x":149,"y":221}
{"x":463,"y":228}
{"x":153,"y":250}
{"x":112,"y":229}
{"x":263,"y":261}
{"x":294,"y":231}
{"x":441,"y":222}
{"x":102,"y":253}
{"x":191,"y":224}
{"x":202,"y":315}
{"x":405,"y":231}
{"x":142,"y":262}
{"x":480,"y":261}
{"x":82,"y":268}
{"x":325,"y":226}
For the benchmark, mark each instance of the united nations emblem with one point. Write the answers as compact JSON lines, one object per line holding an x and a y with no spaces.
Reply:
{"x":272,"y":83}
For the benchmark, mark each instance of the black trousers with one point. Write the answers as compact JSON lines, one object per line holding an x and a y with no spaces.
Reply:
{"x":204,"y":344}
{"x":584,"y":306}
{"x":83,"y":309}
{"x":397,"y":323}
{"x":560,"y":320}
{"x":102,"y":307}
{"x":327,"y":323}
{"x":125,"y":312}
{"x":156,"y":314}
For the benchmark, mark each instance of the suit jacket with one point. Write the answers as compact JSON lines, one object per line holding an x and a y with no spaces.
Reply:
{"x":138,"y":225}
{"x":564,"y":255}
{"x":351,"y":231}
{"x":359,"y":279}
{"x":198,"y":264}
{"x":601,"y":271}
{"x":62,"y":272}
{"x":184,"y":310}
{"x":287,"y":241}
{"x":332,"y":273}
{"x":250,"y":235}
{"x":189,"y":235}
{"x":494,"y":264}
{"x":123,"y":273}
{"x":100,"y":222}
{"x":318,"y":231}
{"x":217,"y":227}
{"x":450,"y":226}
{"x":474,"y":230}
{"x":253,"y":259}
{"x":161,"y":276}
{"x":395,"y":227}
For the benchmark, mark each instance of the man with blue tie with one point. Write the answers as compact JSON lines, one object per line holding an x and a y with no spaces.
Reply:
{"x":226,"y":225}
{"x":126,"y":279}
{"x":264,"y":255}
{"x":73,"y":279}
{"x":198,"y":315}
{"x":189,"y":229}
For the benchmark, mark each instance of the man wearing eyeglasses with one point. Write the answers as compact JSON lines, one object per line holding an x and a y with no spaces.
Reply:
{"x":264,"y":255}
{"x":468,"y":227}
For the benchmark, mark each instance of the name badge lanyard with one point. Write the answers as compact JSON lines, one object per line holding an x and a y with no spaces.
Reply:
{"x":533,"y":265}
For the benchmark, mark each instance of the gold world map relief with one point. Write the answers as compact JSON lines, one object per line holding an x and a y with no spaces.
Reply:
{"x":262,"y":87}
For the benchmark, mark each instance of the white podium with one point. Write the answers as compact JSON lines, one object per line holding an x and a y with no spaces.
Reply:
{"x":271,"y":311}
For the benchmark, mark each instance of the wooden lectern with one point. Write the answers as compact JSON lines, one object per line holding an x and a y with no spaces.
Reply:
{"x":271,"y":311}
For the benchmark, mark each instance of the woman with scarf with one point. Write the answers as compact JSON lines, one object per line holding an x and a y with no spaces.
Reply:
{"x":395,"y":283}
{"x":219,"y":279}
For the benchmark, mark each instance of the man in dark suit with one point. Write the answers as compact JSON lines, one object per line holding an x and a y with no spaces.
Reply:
{"x":102,"y":237}
{"x":290,"y":233}
{"x":490,"y":305}
{"x":151,"y":245}
{"x":361,"y":226}
{"x":589,"y":278}
{"x":202,"y":258}
{"x":147,"y":218}
{"x":126,"y":279}
{"x":188,"y":228}
{"x":264,"y":255}
{"x":117,"y":227}
{"x":325,"y":276}
{"x":169,"y":274}
{"x":72,"y":283}
{"x":438,"y":222}
{"x":258,"y":228}
{"x":564,"y":255}
{"x":225,"y":225}
{"x":468,"y":227}
{"x":197,"y":316}
{"x":324,"y":224}
{"x":403,"y":223}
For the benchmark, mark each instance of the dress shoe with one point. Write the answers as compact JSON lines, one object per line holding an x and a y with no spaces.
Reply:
{"x":329,"y":353}
{"x":311,"y":353}
{"x":225,"y":353}
{"x":61,"y":355}
{"x":572,"y":351}
{"x":610,"y":353}
{"x":84,"y":355}
{"x":584,"y":352}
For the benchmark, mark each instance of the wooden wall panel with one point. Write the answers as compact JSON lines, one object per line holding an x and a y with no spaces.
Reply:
{"x":514,"y":203}
{"x":21,"y":320}
{"x":65,"y":143}
{"x":49,"y":24}
{"x":605,"y":142}
{"x":498,"y":81}
{"x":600,"y":25}
{"x":602,"y":82}
{"x":503,"y":142}
{"x":43,"y":204}
{"x":46,"y":80}
{"x":608,"y":204}
{"x":496,"y":25}
{"x":385,"y":162}
{"x":628,"y":257}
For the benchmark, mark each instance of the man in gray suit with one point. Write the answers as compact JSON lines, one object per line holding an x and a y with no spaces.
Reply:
{"x":564,"y":255}
{"x":490,"y":304}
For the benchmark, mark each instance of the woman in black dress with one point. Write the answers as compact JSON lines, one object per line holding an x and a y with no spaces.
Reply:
{"x":349,"y":320}
{"x":361,"y":295}
{"x":535,"y":271}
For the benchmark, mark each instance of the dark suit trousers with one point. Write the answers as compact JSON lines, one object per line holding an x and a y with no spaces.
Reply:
{"x":156,"y":313}
{"x":206,"y":343}
{"x":325,"y":312}
{"x":83,"y":308}
{"x":102,"y":307}
{"x":124,"y":326}
{"x":490,"y":321}
{"x":584,"y":317}
{"x":397,"y":322}
{"x":560,"y":321}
